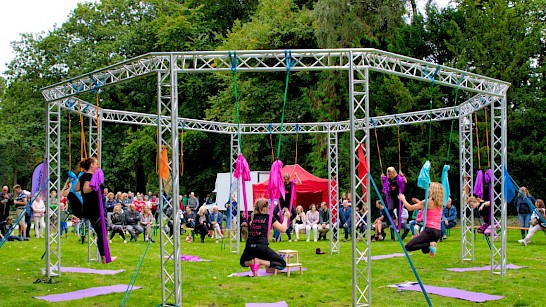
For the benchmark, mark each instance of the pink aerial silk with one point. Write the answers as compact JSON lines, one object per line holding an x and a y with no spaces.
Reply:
{"x":95,"y":183}
{"x":275,"y":189}
{"x":242,"y":172}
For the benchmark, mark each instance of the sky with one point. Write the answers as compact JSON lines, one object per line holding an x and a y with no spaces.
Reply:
{"x":29,"y":16}
{"x":37,"y":16}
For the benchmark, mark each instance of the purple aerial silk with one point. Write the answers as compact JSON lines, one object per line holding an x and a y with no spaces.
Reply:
{"x":478,"y":185}
{"x":275,"y":189}
{"x":400,"y":181}
{"x":242,"y":172}
{"x":489,"y":178}
{"x":95,"y":183}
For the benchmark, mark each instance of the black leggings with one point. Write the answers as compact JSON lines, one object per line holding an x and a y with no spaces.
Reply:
{"x":97,"y":226}
{"x":203,"y":230}
{"x":92,"y":213}
{"x":118,"y":231}
{"x":260,"y":251}
{"x":423,"y":240}
{"x":76,"y":205}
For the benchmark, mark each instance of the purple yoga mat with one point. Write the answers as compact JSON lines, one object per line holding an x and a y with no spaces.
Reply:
{"x":262,"y":272}
{"x":191,"y":258}
{"x":379,"y":257}
{"x":484,"y":268}
{"x":76,"y":295}
{"x":90,"y":271}
{"x":476,"y":297}
{"x":277,"y":304}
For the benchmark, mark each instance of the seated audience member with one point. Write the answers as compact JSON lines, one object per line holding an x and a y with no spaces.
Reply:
{"x":324,"y":220}
{"x":536,"y":223}
{"x":132,"y":218}
{"x":110,"y":202}
{"x":405,"y":225}
{"x":125,"y":200}
{"x":216,"y":219}
{"x":117,"y":223}
{"x":312,"y":222}
{"x":362,"y":222}
{"x":449,"y":218}
{"x":188,"y":218}
{"x":345,"y":219}
{"x":299,"y":222}
{"x":202,"y":222}
{"x":417,"y":223}
{"x":5,"y":228}
{"x":154,"y":201}
{"x":139,"y":203}
{"x":380,"y":223}
{"x":147,"y":221}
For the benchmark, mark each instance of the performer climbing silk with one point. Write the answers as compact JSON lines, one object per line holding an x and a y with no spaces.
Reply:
{"x":90,"y":206}
{"x":426,"y":241}
{"x":287,"y":201}
{"x":393,"y":184}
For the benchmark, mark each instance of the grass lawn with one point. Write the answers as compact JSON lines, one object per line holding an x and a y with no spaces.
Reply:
{"x":327,"y":281}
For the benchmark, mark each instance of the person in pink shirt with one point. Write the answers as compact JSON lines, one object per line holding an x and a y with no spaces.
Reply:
{"x":38,"y":208}
{"x":139,"y":203}
{"x":427,"y":240}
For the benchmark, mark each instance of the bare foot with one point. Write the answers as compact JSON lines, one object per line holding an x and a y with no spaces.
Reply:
{"x":103,"y":259}
{"x":432,"y":249}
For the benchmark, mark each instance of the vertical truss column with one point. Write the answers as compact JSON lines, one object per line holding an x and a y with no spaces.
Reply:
{"x":498,"y":202}
{"x":53,"y":242}
{"x":361,"y":268}
{"x":94,"y":139}
{"x":466,"y":183}
{"x":333,"y":191}
{"x":234,"y":237}
{"x":167,"y":107}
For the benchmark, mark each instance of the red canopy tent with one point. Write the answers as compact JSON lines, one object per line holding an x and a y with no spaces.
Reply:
{"x":313,"y":190}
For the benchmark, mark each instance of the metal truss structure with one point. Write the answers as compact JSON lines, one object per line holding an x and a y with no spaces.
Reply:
{"x":53,"y":237}
{"x":333,"y":192}
{"x":234,"y":233}
{"x":488,"y":93}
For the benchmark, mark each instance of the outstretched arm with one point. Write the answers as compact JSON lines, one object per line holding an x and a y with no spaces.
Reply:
{"x":410,"y":207}
{"x":284,"y":226}
{"x":298,"y":181}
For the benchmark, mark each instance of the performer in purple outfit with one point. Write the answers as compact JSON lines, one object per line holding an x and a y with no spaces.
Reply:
{"x":393,"y":184}
{"x":92,"y":201}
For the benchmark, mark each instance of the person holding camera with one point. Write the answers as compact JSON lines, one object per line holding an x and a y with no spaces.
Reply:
{"x":5,"y":204}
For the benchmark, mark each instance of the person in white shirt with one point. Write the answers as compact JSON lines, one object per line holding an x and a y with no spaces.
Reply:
{"x":312,"y":222}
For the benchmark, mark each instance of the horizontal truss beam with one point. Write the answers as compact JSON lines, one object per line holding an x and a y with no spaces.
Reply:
{"x":275,"y":60}
{"x":114,"y":116}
